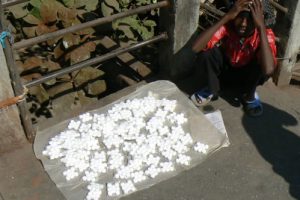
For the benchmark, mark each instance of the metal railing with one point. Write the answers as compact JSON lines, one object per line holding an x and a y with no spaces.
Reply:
{"x":18,"y":85}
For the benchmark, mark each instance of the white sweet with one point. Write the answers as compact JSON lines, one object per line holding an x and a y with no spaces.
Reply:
{"x":201,"y":148}
{"x":135,"y":140}
{"x":113,"y":189}
{"x":153,"y":171}
{"x":95,"y":191}
{"x":128,"y":187}
{"x":167,"y":166}
{"x":139,"y":176}
{"x":183,"y":159}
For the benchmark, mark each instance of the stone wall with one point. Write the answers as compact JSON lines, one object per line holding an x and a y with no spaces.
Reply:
{"x":287,"y":29}
{"x":11,"y":131}
{"x":180,"y":20}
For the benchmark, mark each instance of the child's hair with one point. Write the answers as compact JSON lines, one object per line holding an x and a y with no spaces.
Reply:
{"x":269,"y":12}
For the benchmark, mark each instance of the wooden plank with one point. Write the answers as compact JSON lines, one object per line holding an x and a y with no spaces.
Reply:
{"x":296,"y":67}
{"x":297,"y":74}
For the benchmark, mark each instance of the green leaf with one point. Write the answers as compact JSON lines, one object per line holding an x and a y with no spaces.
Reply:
{"x":150,"y":23}
{"x":114,"y":3}
{"x":36,"y":12}
{"x":89,"y":5}
{"x":106,"y":10}
{"x":127,"y":31}
{"x":125,"y":3}
{"x":69,"y":3}
{"x":36,"y":3}
{"x":143,"y":2}
{"x":137,"y":25}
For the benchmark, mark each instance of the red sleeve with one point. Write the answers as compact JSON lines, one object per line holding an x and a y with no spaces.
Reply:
{"x":216,"y":37}
{"x":272,"y":43}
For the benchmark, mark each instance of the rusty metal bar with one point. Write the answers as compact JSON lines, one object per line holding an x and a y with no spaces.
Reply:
{"x":95,"y":60}
{"x":12,"y":2}
{"x":17,"y":85}
{"x":45,"y":37}
{"x":212,"y":9}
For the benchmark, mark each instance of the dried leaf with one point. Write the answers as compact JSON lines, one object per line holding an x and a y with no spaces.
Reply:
{"x":31,"y":77}
{"x":48,"y":10}
{"x":67,"y":14}
{"x":86,"y":31}
{"x":58,"y":51}
{"x":70,"y":40}
{"x":50,"y":65}
{"x":82,"y":53}
{"x":60,"y":89}
{"x":96,"y":88}
{"x":32,"y":19}
{"x":32,"y":62}
{"x":86,"y":74}
{"x":51,"y":82}
{"x":30,"y":32}
{"x":43,"y":29}
{"x":18,"y":10}
{"x":40,"y":93}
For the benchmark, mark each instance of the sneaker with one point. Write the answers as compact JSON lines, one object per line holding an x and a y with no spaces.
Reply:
{"x":202,"y":97}
{"x":253,"y":108}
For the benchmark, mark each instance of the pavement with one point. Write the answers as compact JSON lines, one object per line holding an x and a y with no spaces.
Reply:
{"x":261,"y":163}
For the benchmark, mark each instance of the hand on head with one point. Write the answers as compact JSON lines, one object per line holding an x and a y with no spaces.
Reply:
{"x":257,"y":13}
{"x":239,"y":6}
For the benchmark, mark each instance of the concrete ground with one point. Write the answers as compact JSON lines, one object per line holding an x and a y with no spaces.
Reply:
{"x":262,"y":162}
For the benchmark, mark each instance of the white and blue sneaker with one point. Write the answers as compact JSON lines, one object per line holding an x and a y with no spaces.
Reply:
{"x":202,"y":97}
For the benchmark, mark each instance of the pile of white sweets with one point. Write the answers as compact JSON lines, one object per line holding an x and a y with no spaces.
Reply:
{"x":135,"y":140}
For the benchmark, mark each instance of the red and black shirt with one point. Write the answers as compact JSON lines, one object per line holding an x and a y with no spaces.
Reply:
{"x":240,"y":51}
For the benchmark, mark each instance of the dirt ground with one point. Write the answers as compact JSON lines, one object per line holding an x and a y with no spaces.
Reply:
{"x":262,"y":162}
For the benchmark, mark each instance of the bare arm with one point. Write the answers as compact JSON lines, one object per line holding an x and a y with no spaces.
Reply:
{"x":203,"y":39}
{"x":267,"y":61}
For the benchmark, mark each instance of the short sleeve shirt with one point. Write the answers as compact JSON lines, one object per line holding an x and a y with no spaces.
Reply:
{"x":241,"y":51}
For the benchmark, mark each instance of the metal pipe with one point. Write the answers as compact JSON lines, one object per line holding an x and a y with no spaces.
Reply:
{"x":12,"y":2}
{"x":45,"y":37}
{"x":98,"y":59}
{"x":212,"y":9}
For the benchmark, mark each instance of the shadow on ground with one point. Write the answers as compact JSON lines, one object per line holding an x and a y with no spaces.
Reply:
{"x":277,"y":144}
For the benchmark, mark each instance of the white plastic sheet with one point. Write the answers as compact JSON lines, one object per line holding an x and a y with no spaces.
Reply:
{"x":200,"y":128}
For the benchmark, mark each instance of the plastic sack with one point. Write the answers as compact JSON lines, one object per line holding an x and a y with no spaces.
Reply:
{"x":197,"y":125}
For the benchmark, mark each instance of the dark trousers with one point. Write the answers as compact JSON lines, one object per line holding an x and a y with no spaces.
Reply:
{"x":219,"y":74}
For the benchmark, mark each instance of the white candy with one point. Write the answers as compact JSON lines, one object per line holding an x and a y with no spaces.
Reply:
{"x":136,"y":139}
{"x":113,"y":189}
{"x":95,"y":191}
{"x":128,"y":187}
{"x":183,"y":159}
{"x":201,"y":148}
{"x":167,"y":166}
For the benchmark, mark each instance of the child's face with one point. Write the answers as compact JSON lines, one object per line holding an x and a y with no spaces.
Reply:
{"x":243,"y":24}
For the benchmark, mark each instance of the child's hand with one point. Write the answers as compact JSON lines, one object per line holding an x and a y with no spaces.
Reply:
{"x":257,"y":13}
{"x":239,"y":6}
